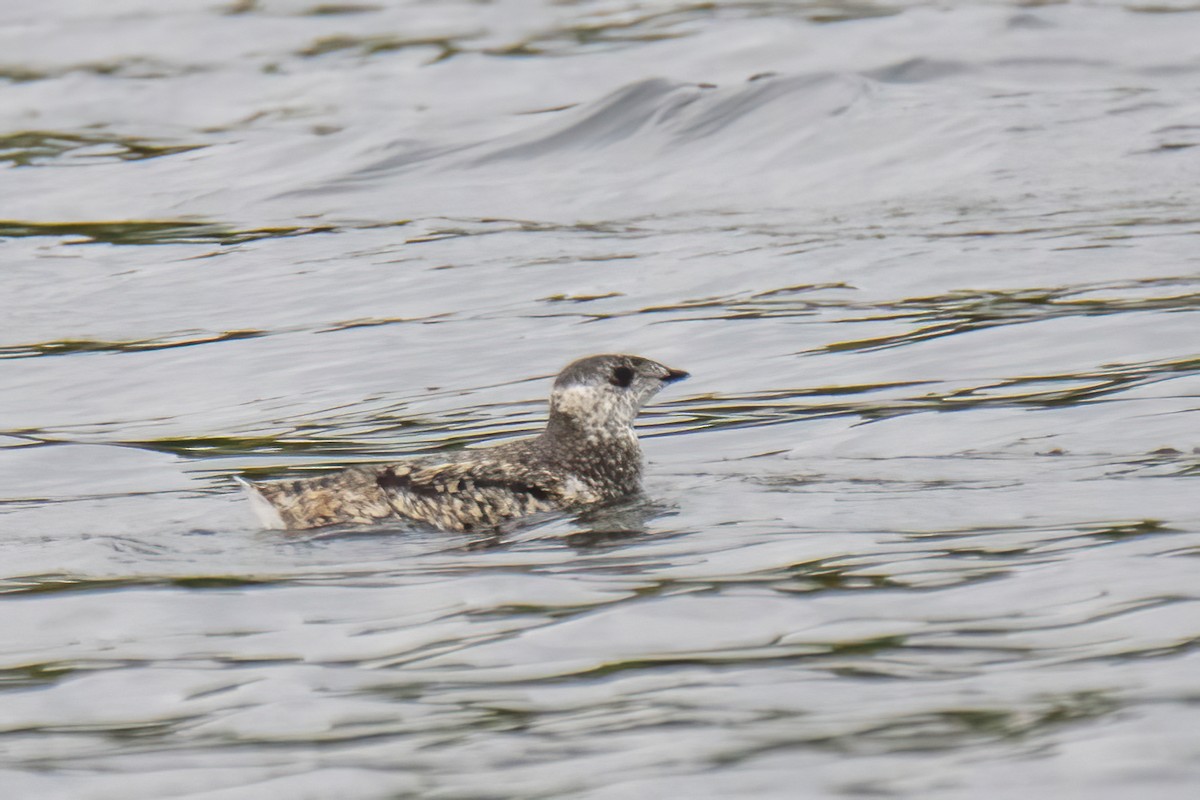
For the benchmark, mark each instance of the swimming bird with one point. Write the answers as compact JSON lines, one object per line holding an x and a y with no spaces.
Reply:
{"x":588,"y":453}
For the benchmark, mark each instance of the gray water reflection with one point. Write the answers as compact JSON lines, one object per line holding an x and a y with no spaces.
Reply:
{"x":923,"y":523}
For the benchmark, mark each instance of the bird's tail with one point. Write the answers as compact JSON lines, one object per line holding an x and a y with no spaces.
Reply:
{"x":268,"y":515}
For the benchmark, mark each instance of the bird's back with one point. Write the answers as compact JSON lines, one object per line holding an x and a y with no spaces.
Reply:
{"x":464,"y":491}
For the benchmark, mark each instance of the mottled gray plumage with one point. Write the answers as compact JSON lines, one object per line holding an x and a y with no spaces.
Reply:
{"x":587,"y":454}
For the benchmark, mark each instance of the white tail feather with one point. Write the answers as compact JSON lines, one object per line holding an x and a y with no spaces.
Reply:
{"x":268,"y":515}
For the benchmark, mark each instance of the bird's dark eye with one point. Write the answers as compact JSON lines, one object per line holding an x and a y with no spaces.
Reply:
{"x":621,"y":376}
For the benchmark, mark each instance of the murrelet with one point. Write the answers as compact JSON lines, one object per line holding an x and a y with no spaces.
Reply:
{"x":587,"y":454}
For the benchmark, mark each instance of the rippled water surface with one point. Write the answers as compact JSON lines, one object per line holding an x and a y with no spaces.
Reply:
{"x":924,"y":523}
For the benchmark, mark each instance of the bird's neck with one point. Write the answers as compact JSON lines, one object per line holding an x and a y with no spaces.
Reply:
{"x":603,"y":456}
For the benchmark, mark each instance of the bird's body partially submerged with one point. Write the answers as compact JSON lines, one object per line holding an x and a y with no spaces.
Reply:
{"x":587,"y":454}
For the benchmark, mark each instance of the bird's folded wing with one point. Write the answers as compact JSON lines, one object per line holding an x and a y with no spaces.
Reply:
{"x":469,"y":495}
{"x":470,"y":477}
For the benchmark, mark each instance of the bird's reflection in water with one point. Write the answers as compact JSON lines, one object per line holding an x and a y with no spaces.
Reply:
{"x":601,"y":526}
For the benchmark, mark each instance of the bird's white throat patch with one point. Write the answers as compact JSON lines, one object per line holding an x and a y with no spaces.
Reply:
{"x":593,"y":408}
